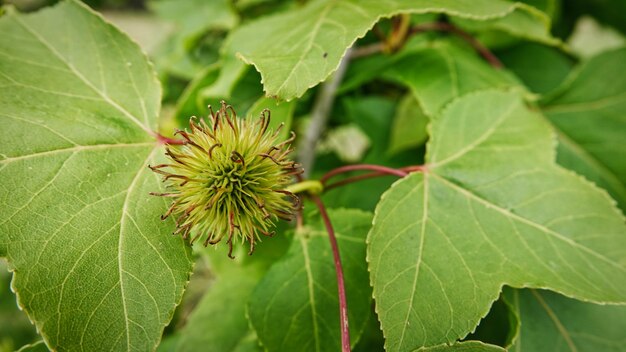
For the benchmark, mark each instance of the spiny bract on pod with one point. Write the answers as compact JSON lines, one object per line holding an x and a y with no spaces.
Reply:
{"x":227,"y":179}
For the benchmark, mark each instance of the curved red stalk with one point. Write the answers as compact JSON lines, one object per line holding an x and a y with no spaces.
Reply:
{"x":377,"y":168}
{"x":341,"y":287}
{"x":407,"y":169}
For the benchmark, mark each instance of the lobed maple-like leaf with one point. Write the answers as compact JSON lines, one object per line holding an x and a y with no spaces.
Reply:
{"x":296,"y":50}
{"x":491,"y":208}
{"x":94,"y":267}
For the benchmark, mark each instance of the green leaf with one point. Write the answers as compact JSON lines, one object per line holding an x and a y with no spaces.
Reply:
{"x":363,"y":70}
{"x":372,"y":114}
{"x":295,"y":306}
{"x":94,"y":266}
{"x":467,"y":346}
{"x":409,"y":126}
{"x":452,"y":71}
{"x":248,"y":343}
{"x":551,"y":322}
{"x":549,"y":7}
{"x":219,"y":320}
{"x":181,"y":64}
{"x":372,"y":337}
{"x":232,"y":69}
{"x":588,"y":115}
{"x":169,"y":343}
{"x":491,"y":208}
{"x":194,"y":17}
{"x":504,"y":30}
{"x":196,"y":36}
{"x":499,"y":327}
{"x":522,"y":58}
{"x":190,"y":103}
{"x":296,"y":50}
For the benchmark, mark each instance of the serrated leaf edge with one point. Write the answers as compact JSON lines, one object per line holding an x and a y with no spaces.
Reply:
{"x":288,"y":97}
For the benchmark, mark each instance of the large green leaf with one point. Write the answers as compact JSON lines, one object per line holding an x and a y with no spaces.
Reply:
{"x":588,"y":112}
{"x":94,"y":266}
{"x":294,"y":51}
{"x":219,"y":320}
{"x":295,"y":306}
{"x":452,"y":71}
{"x":504,"y":31}
{"x":194,"y":17}
{"x":522,"y":60}
{"x":492,"y":208}
{"x":195,"y":41}
{"x":553,"y":323}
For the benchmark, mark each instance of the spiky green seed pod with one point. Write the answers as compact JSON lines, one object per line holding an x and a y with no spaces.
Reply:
{"x":228,"y":179}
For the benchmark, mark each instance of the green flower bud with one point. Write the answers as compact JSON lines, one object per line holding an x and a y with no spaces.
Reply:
{"x":228,"y":179}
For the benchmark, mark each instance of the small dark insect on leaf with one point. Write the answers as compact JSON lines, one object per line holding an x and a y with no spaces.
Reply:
{"x":325,"y":55}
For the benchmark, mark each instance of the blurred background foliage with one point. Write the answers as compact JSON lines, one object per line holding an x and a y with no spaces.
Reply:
{"x":187,"y":41}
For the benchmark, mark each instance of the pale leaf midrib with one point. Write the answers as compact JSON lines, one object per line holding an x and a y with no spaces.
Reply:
{"x":521,"y":219}
{"x":75,"y":149}
{"x":121,"y":240}
{"x":419,"y":259}
{"x":309,"y":273}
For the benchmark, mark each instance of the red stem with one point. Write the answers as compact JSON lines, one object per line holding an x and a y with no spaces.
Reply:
{"x":353,"y":179}
{"x":435,"y":26}
{"x":166,"y":140}
{"x":341,"y":287}
{"x":447,"y":27}
{"x":343,"y":304}
{"x":347,"y":168}
{"x":406,"y":169}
